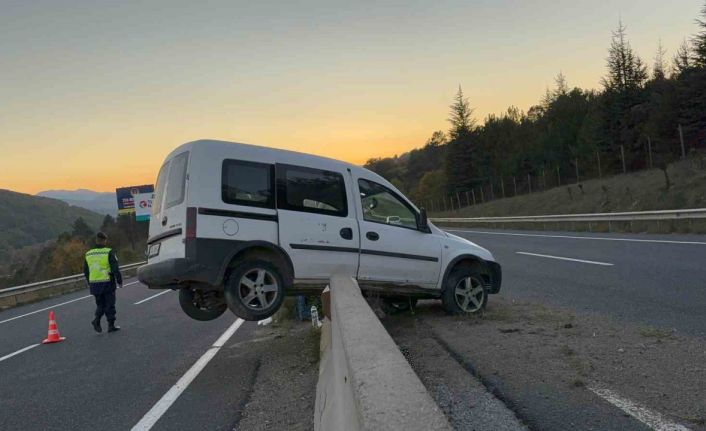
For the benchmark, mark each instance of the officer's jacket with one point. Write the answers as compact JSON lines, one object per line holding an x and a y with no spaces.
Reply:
{"x":100,"y":267}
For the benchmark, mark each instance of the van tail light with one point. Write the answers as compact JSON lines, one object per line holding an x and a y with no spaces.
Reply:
{"x":191,"y":214}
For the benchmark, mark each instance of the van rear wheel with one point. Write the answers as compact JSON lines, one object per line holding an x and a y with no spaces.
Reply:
{"x":201,"y":305}
{"x":255,"y":290}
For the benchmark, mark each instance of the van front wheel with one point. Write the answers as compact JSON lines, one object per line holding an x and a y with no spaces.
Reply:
{"x":254,"y":290}
{"x":201,"y":305}
{"x":464,"y":292}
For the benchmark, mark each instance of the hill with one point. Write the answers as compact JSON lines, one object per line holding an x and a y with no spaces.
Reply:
{"x":99,"y":202}
{"x":26,"y":220}
{"x":640,"y":191}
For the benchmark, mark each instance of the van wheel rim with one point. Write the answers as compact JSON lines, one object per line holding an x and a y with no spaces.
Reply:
{"x":469,"y":293}
{"x":258,"y":289}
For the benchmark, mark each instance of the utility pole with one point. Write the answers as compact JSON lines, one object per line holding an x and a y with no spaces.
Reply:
{"x":558,"y":176}
{"x":598,"y":156}
{"x":529,"y":182}
{"x":622,"y":157}
{"x":681,"y":139}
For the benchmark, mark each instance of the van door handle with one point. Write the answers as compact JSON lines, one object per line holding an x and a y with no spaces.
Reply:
{"x":372,"y":236}
{"x":164,"y":221}
{"x":346,"y":233}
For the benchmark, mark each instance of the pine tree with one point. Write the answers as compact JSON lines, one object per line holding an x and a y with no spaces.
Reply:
{"x":699,"y":42}
{"x":659,"y":67}
{"x":626,"y":71}
{"x":562,"y":88}
{"x":461,"y":117}
{"x":682,"y":59}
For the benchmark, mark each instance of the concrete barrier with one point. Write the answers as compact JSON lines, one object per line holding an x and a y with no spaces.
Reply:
{"x":365,"y":383}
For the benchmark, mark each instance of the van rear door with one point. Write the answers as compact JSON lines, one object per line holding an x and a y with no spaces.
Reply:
{"x":168,"y":221}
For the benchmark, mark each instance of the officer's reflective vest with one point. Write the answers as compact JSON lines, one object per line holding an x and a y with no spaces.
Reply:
{"x":98,"y":265}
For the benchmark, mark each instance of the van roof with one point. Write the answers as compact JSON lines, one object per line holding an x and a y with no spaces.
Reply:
{"x":264,"y":152}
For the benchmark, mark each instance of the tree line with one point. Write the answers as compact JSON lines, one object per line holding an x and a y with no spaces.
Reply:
{"x":643,"y":116}
{"x":65,"y":255}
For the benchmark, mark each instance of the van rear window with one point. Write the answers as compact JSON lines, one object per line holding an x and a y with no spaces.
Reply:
{"x":248,"y":183}
{"x":159,"y":190}
{"x":176,"y":184}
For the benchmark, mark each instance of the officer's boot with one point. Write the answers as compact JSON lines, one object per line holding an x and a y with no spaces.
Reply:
{"x":112,"y":327}
{"x":97,"y":324}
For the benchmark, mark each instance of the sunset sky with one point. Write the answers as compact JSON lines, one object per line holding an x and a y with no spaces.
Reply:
{"x":94,"y":94}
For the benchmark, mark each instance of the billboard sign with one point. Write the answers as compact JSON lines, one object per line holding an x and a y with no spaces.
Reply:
{"x":143,"y":206}
{"x":126,"y":197}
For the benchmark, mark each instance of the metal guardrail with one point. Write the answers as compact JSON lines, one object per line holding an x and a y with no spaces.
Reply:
{"x":15,"y":290}
{"x":696,"y":213}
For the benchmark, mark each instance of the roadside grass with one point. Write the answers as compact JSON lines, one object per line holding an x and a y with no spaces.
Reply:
{"x":651,"y":332}
{"x":638,"y":191}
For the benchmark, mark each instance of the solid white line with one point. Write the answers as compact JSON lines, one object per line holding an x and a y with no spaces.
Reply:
{"x":152,"y":297}
{"x":131,"y":283}
{"x":598,"y":238}
{"x":652,"y":419}
{"x":18,"y":352}
{"x":592,"y":262}
{"x":156,"y":412}
{"x":45,"y":309}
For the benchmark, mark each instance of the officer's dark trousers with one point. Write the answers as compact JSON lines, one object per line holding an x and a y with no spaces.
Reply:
{"x":105,"y":304}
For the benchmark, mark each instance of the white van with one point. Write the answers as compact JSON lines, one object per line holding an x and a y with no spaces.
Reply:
{"x":240,"y":226}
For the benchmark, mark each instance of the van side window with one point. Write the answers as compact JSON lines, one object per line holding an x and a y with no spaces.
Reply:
{"x":176,"y":184}
{"x":311,"y":190}
{"x":159,"y":189}
{"x":381,"y":205}
{"x":248,"y":183}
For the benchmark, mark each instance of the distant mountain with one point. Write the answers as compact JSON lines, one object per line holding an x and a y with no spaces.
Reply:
{"x":27,"y":220}
{"x":100,"y":202}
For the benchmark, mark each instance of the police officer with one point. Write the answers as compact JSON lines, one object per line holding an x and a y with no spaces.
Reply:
{"x":102,"y":273}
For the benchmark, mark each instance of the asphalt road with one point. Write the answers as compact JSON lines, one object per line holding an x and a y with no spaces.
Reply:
{"x":111,"y":381}
{"x":651,"y":280}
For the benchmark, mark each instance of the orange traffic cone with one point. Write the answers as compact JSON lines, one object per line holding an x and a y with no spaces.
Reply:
{"x":53,"y":336}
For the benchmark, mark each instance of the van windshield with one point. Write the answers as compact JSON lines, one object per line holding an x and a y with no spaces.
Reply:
{"x":159,"y":189}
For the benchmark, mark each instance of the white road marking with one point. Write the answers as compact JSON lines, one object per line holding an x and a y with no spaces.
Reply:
{"x":44,"y":309}
{"x":598,"y":238}
{"x":156,"y":412}
{"x":131,"y":283}
{"x":152,"y":297}
{"x":592,"y":262}
{"x":18,"y":352}
{"x":652,"y":419}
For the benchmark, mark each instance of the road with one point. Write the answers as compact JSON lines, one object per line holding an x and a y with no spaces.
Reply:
{"x":111,"y":381}
{"x":589,"y":332}
{"x":655,"y":280}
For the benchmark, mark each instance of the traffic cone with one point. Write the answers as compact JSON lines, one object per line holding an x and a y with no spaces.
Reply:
{"x":53,"y":336}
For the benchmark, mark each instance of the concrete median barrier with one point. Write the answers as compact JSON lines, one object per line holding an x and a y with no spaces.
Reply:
{"x":365,"y":383}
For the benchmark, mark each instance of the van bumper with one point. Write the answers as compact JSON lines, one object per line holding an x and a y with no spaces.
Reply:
{"x":170,"y":273}
{"x":496,"y":276}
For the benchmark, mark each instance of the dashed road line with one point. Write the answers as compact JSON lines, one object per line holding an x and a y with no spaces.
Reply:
{"x":18,"y":352}
{"x":44,"y":309}
{"x":156,"y":412}
{"x":597,"y":238}
{"x":152,"y":297}
{"x":131,"y":283}
{"x":652,"y":419}
{"x":592,"y":262}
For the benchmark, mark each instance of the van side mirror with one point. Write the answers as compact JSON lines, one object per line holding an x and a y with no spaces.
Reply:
{"x":422,"y":221}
